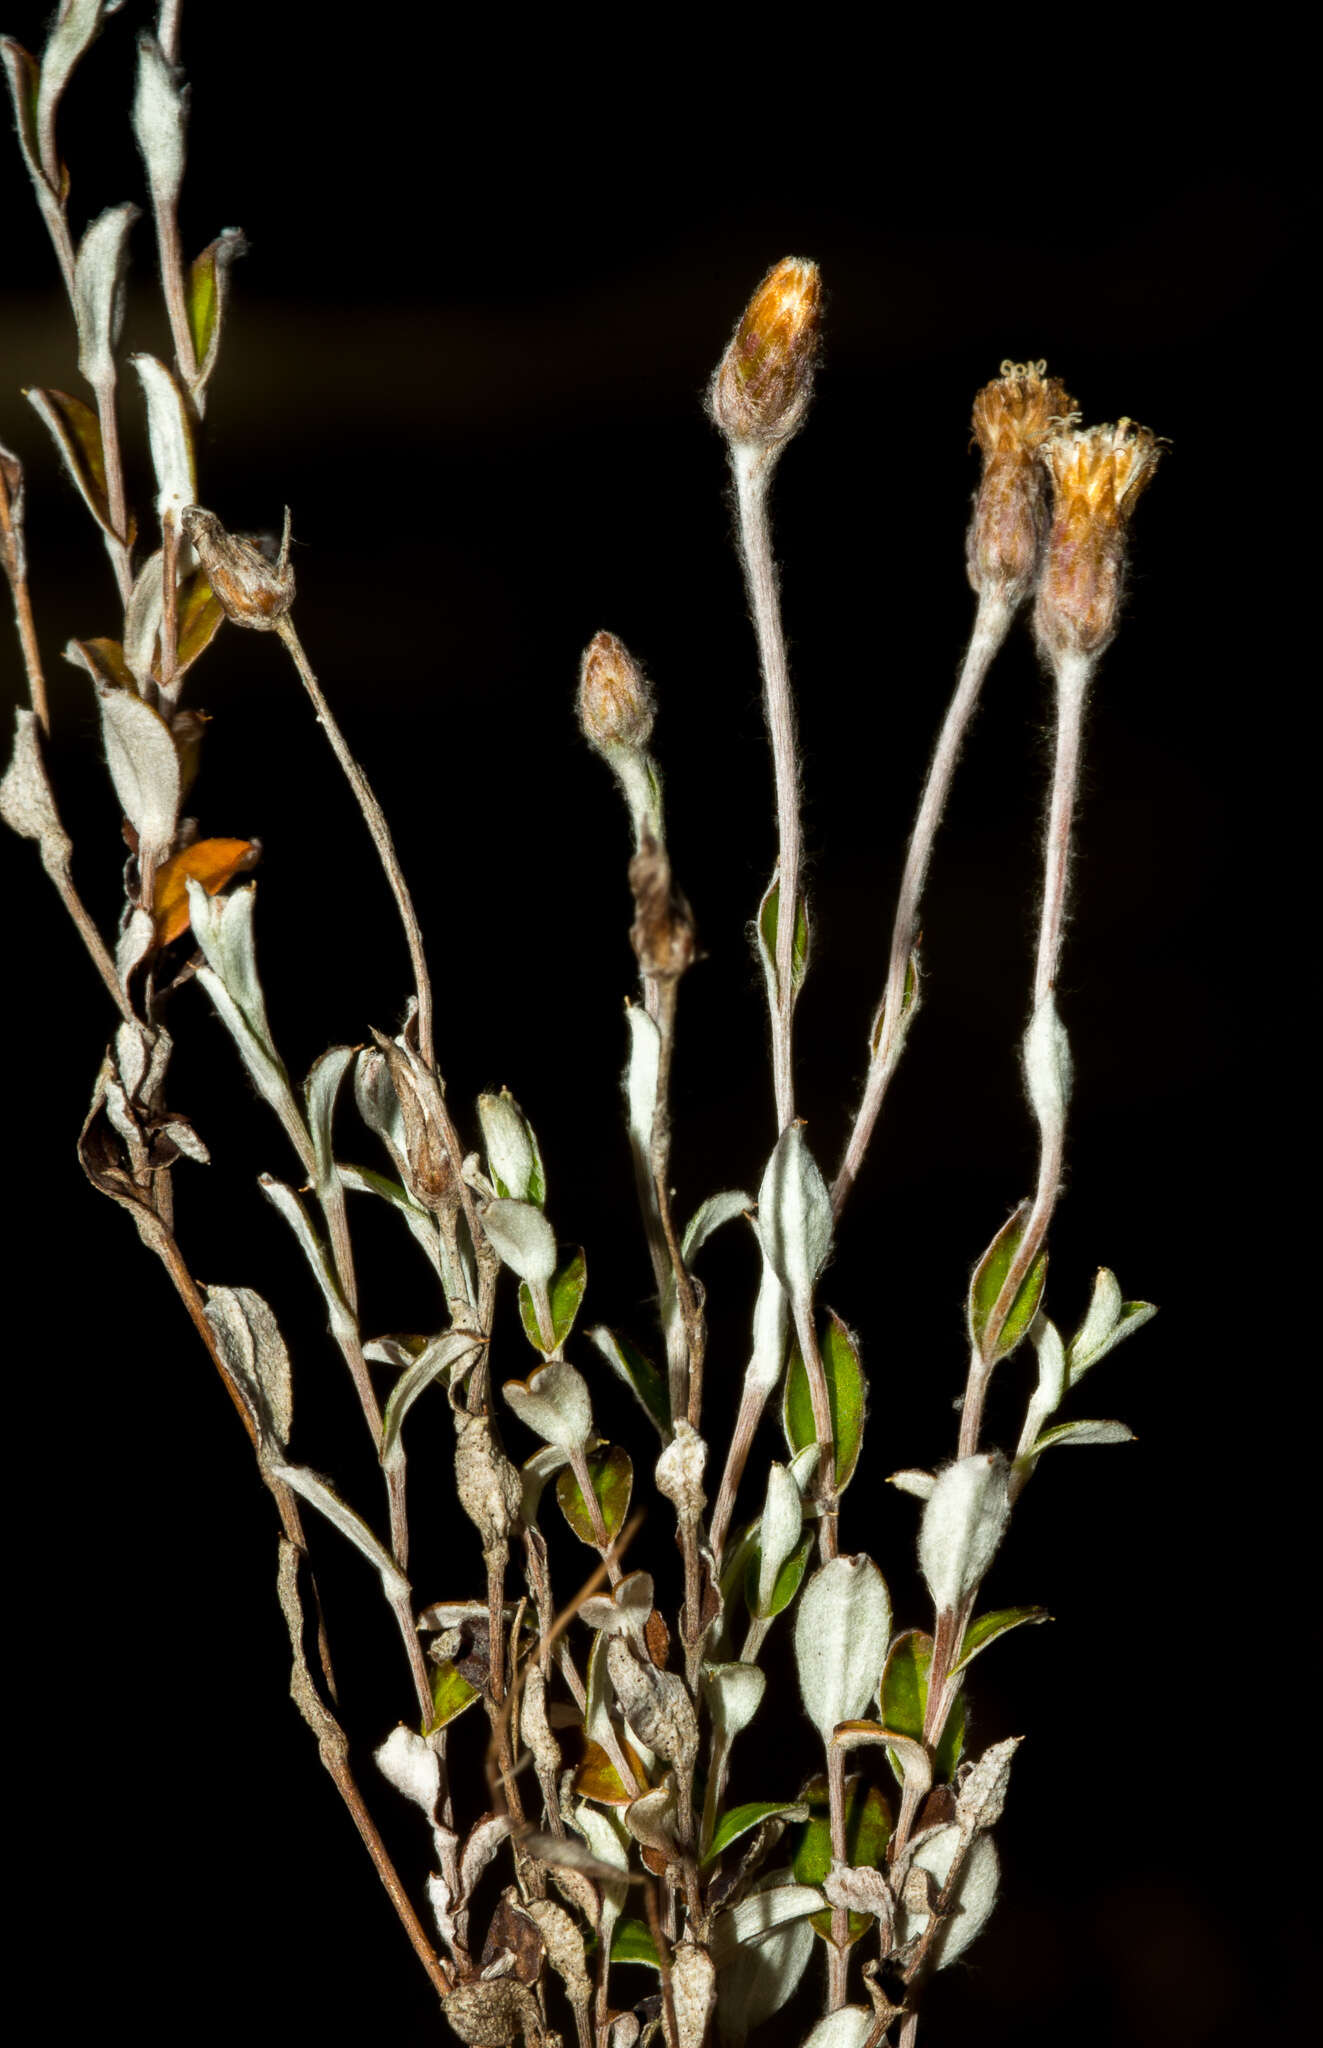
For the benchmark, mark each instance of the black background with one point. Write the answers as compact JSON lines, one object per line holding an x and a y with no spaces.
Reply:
{"x":490,"y":273}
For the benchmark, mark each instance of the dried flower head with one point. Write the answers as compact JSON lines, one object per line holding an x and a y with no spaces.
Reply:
{"x":1097,"y":475}
{"x":1013,"y":417}
{"x":764,"y":381}
{"x":616,"y":704}
{"x":249,"y":588}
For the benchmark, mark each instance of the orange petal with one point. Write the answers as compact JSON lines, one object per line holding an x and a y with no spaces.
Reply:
{"x":213,"y":862}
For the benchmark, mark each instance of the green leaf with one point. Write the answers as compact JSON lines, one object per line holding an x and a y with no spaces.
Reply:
{"x":640,"y":1375}
{"x":205,"y":293}
{"x":788,"y":1580}
{"x":768,"y":917}
{"x":989,"y":1278}
{"x":632,"y":1943}
{"x":612,"y":1475}
{"x":905,"y":1703}
{"x":847,"y":1397}
{"x":740,"y":1820}
{"x":988,"y":1627}
{"x":868,"y":1825}
{"x":200,"y":619}
{"x":451,"y":1694}
{"x":566,"y":1292}
{"x":76,"y":431}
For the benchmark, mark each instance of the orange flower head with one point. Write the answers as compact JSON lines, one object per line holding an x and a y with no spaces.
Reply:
{"x":763,"y":383}
{"x":1014,"y":416}
{"x":1097,"y":475}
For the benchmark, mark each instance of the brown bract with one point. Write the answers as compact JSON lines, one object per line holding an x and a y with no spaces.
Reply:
{"x":615,"y":698}
{"x":764,"y":381}
{"x":1097,"y":475}
{"x":249,"y":589}
{"x":1014,"y":416}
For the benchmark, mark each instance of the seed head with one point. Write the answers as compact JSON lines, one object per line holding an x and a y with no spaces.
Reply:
{"x":616,"y":703}
{"x":764,"y":381}
{"x":1097,"y":475}
{"x":1013,"y":417}
{"x":249,"y":589}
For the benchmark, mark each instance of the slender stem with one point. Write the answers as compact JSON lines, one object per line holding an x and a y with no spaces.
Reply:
{"x":689,"y":1396}
{"x":752,"y":468}
{"x":13,"y":557}
{"x":58,"y":870}
{"x":116,"y":503}
{"x":167,"y":30}
{"x":375,"y":819}
{"x":838,"y":1950}
{"x":337,"y":1764}
{"x":169,"y":603}
{"x":1073,"y":674}
{"x":991,"y":623}
{"x":823,"y":1429}
{"x":176,"y":302}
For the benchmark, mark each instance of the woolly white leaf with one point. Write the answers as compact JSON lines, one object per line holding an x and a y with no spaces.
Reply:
{"x":1047,"y":1065}
{"x":143,"y":763}
{"x":75,"y":26}
{"x":27,"y":802}
{"x":982,"y":1797}
{"x":848,"y":2027}
{"x":159,"y":115}
{"x":975,"y":1895}
{"x":710,"y":1216}
{"x":756,"y":1981}
{"x":842,"y":1629}
{"x":782,"y":1520}
{"x":624,"y":1611}
{"x":794,"y":1216}
{"x":1047,"y":1395}
{"x":522,"y":1238}
{"x":142,"y":621}
{"x":412,"y":1767}
{"x":444,"y":1352}
{"x":771,"y":1321}
{"x":754,"y":1918}
{"x":734,"y":1695}
{"x":98,"y":293}
{"x":254,"y":1350}
{"x":1108,"y":1323}
{"x":170,"y":438}
{"x":319,"y":1092}
{"x":962,"y":1525}
{"x":914,"y":1481}
{"x":553,"y":1401}
{"x":1083,"y":1433}
{"x":320,"y":1496}
{"x":641,"y":1077}
{"x":693,"y":1991}
{"x":609,"y":1845}
{"x":481,"y":1846}
{"x":343,"y":1324}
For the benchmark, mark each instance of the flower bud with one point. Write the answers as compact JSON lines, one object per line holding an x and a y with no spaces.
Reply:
{"x":616,"y":704}
{"x":1013,"y":417}
{"x":1097,"y":475}
{"x":248,"y":588}
{"x":764,"y":381}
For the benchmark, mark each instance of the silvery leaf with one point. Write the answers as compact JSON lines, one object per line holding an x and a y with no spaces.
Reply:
{"x":734,"y":1694}
{"x":975,"y":1894}
{"x":160,"y":108}
{"x":344,"y":1327}
{"x":512,"y":1150}
{"x":442,"y":1354}
{"x":782,"y":1520}
{"x":143,"y":763}
{"x":1047,"y":1065}
{"x":522,"y":1238}
{"x":319,"y":1495}
{"x":412,"y":1766}
{"x":254,"y":1350}
{"x":794,"y":1216}
{"x":74,"y":28}
{"x":641,"y":1077}
{"x":756,"y":1981}
{"x":842,"y":1629}
{"x":1082,"y":1433}
{"x":142,"y":621}
{"x":963,"y":1523}
{"x":27,"y":802}
{"x":1047,"y":1395}
{"x":98,"y":293}
{"x":319,"y":1093}
{"x":709,"y":1216}
{"x":171,"y":442}
{"x":1109,"y":1322}
{"x":848,"y":2027}
{"x":554,"y":1402}
{"x":914,"y":1481}
{"x":771,"y":1322}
